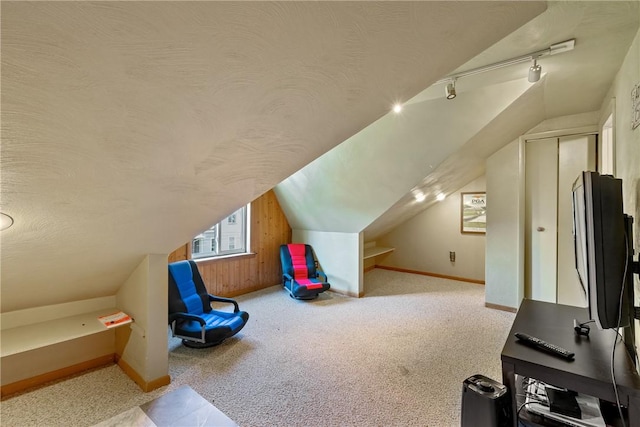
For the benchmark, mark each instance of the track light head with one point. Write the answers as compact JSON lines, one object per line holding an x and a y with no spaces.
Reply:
{"x":450,"y":90}
{"x":534,"y":71}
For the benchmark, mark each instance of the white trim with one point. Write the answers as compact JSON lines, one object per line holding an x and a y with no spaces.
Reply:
{"x":583,"y":130}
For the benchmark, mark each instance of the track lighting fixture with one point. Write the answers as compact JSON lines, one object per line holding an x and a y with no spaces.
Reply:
{"x":534,"y":71}
{"x":450,"y":90}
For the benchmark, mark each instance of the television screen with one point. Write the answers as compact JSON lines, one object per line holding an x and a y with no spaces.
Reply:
{"x":600,"y":247}
{"x":579,"y":234}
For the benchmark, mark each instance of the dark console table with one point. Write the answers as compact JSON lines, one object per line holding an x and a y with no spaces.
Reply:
{"x":589,"y":373}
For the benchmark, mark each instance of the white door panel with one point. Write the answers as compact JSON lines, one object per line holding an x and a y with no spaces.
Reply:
{"x":552,"y":165}
{"x":541,"y":183}
{"x":575,"y":154}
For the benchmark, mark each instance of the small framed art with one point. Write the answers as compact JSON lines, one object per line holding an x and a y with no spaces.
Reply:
{"x":473,"y":213}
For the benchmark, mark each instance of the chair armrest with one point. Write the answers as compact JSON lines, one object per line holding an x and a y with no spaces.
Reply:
{"x":321,"y":275}
{"x":286,"y":276}
{"x":174,"y":317}
{"x":227,"y":300}
{"x":186,"y":316}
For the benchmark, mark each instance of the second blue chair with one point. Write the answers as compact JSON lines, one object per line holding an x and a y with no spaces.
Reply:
{"x":299,"y":273}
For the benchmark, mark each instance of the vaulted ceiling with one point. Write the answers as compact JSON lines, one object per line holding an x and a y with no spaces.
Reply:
{"x":128,"y":127}
{"x":437,"y":145}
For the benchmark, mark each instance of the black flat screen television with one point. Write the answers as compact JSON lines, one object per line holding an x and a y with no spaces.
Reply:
{"x":602,"y":248}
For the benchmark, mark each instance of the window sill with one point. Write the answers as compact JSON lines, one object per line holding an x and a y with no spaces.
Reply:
{"x":225,"y":258}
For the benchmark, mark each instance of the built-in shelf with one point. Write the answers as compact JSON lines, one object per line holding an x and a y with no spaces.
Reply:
{"x":374,"y":251}
{"x":37,"y":335}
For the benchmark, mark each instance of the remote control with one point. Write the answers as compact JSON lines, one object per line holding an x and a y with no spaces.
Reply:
{"x":539,"y":344}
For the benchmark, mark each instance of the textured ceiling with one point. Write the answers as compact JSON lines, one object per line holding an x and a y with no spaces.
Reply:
{"x":362,"y":177}
{"x":128,"y":127}
{"x":373,"y":192}
{"x":573,"y":83}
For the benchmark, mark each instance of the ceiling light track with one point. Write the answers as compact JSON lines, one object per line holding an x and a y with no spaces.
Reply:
{"x":533,"y":56}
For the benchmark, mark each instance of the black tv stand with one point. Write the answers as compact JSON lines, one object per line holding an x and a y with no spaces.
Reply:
{"x":589,"y":373}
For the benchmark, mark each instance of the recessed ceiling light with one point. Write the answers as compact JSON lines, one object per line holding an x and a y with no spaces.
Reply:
{"x":420,"y":197}
{"x":440,"y":197}
{"x":5,"y":221}
{"x":397,"y":108}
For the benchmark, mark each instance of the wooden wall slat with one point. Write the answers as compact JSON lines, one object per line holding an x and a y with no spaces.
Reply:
{"x":247,"y":273}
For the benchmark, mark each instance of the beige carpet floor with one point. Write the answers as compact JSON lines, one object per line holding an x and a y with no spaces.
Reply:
{"x":396,"y":357}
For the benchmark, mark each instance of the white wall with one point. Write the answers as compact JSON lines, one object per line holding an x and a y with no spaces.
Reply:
{"x":423,"y":242}
{"x":505,"y":182}
{"x":339,"y":256}
{"x":504,"y":284}
{"x":505,"y":227}
{"x":627,"y":146}
{"x":144,"y":296}
{"x":353,"y":178}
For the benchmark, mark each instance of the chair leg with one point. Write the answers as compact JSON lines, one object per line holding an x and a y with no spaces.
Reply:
{"x":304,"y":298}
{"x":195,"y":344}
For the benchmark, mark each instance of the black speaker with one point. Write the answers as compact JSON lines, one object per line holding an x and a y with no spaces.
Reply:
{"x":485,"y":403}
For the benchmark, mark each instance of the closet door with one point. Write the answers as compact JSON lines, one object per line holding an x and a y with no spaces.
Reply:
{"x":541,"y":197}
{"x":575,"y":154}
{"x":552,"y":165}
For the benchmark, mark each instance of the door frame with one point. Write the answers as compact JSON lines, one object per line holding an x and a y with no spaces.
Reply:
{"x":575,"y":131}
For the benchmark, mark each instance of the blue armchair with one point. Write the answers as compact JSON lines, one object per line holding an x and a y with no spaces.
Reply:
{"x":190,"y":314}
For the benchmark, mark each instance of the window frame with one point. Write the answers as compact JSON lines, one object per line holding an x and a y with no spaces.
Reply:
{"x":242,"y":218}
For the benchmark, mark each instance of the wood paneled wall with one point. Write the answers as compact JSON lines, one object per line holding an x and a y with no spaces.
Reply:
{"x":260,"y":269}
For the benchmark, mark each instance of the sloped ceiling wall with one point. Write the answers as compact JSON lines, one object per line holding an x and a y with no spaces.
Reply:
{"x":375,"y":175}
{"x":467,"y":163}
{"x":128,"y":127}
{"x":347,"y":188}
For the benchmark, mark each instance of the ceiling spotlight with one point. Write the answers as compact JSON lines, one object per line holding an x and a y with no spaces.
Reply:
{"x":534,"y":71}
{"x":450,"y":90}
{"x":5,"y":221}
{"x":397,"y":108}
{"x":440,"y":197}
{"x":420,"y":197}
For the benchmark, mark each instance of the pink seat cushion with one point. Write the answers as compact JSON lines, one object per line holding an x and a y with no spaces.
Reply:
{"x":300,"y":270}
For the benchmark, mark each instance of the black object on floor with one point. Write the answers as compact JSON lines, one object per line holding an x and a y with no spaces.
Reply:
{"x":485,"y":403}
{"x":563,"y":402}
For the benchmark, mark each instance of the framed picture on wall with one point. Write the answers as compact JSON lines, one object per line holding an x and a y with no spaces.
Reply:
{"x":473,"y":213}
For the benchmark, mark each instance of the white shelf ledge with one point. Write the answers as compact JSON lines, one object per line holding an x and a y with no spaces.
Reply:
{"x":374,"y":251}
{"x":30,"y":337}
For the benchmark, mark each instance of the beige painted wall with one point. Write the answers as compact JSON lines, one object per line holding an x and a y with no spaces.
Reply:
{"x":423,"y":242}
{"x":144,"y":297}
{"x":339,"y":256}
{"x":498,"y":288}
{"x":627,"y":146}
{"x":504,"y":283}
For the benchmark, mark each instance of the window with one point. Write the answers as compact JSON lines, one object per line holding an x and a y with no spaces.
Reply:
{"x":197,"y":243}
{"x":229,"y":236}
